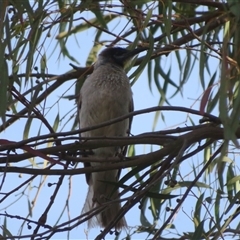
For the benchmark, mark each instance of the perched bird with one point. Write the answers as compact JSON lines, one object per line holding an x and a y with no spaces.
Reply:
{"x":106,"y":94}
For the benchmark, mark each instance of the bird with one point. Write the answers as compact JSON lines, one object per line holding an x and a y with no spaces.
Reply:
{"x":106,"y":94}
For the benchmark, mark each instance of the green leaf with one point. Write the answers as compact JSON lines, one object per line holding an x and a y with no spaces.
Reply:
{"x":199,"y":231}
{"x":143,"y":64}
{"x":235,"y":200}
{"x":29,"y":208}
{"x":131,"y":151}
{"x":233,"y":180}
{"x":144,"y":221}
{"x":85,"y":26}
{"x":4,"y":85}
{"x":197,"y":184}
{"x":230,"y":187}
{"x":43,"y":63}
{"x":234,"y":6}
{"x":217,"y":208}
{"x":92,"y":56}
{"x":220,"y":169}
{"x":147,"y":19}
{"x":6,"y":233}
{"x":56,"y":123}
{"x":99,"y":16}
{"x":185,"y":184}
{"x":27,"y":128}
{"x":198,"y":207}
{"x":35,"y":37}
{"x":167,"y":16}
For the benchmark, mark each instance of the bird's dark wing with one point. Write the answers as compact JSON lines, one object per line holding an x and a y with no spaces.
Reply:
{"x":131,"y":109}
{"x":124,"y":149}
{"x":86,"y":164}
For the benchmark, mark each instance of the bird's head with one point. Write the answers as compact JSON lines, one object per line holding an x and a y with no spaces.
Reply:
{"x":119,"y":56}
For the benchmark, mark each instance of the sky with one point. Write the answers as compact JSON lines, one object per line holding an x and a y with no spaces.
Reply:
{"x":79,"y":47}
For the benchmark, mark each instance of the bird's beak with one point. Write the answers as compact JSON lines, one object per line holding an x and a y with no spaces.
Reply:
{"x":132,"y":53}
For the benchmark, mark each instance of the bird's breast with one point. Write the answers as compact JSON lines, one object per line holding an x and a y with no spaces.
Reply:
{"x":103,"y":98}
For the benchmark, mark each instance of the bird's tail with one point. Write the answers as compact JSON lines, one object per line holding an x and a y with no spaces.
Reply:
{"x":99,"y":194}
